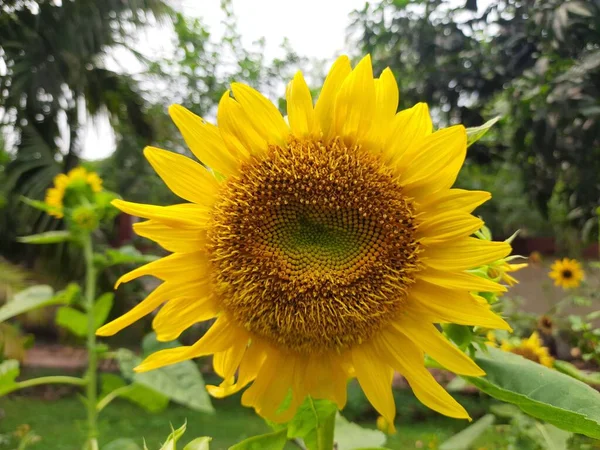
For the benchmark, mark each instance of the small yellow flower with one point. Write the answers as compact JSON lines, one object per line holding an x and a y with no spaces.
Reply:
{"x":566,"y":273}
{"x":531,"y":348}
{"x":77,"y":177}
{"x":327,"y":247}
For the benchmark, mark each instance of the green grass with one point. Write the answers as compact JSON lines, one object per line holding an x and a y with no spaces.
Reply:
{"x":61,"y":424}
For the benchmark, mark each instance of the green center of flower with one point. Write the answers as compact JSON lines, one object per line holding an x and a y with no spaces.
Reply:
{"x":313,"y":246}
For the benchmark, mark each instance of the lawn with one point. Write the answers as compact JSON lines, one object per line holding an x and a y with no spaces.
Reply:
{"x":61,"y":424}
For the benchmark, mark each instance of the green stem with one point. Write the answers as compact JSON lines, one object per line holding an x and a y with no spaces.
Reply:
{"x":325,"y":433}
{"x":54,"y":379}
{"x":91,"y":377}
{"x":111,"y":396}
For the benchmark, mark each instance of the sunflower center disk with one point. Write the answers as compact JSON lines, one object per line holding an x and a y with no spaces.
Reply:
{"x":313,"y":246}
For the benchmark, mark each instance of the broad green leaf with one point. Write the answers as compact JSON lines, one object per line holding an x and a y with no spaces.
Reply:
{"x":311,"y":415}
{"x":465,"y":439}
{"x":49,"y":237}
{"x":201,"y":443}
{"x":102,"y":308}
{"x":175,"y":435}
{"x":29,"y":299}
{"x":552,"y":438}
{"x":543,"y":393}
{"x":476,"y":133}
{"x":271,"y":441}
{"x":127,"y":255}
{"x":569,"y":369}
{"x":73,"y":320}
{"x":122,"y":444}
{"x":9,"y":371}
{"x":350,"y":436}
{"x":149,"y":399}
{"x":69,"y":295}
{"x":181,"y":382}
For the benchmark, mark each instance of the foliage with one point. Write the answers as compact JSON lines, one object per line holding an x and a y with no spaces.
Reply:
{"x":535,"y":63}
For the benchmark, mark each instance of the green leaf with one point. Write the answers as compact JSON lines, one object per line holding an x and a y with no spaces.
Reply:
{"x":181,"y":382}
{"x":465,"y":439}
{"x":73,"y":320}
{"x":540,"y":392}
{"x":122,"y":444}
{"x":102,"y":308}
{"x":42,"y":206}
{"x":29,"y":299}
{"x":201,"y":443}
{"x":49,"y":237}
{"x":310,"y":416}
{"x":9,"y":371}
{"x":350,"y":436}
{"x":476,"y":133}
{"x":571,"y":370}
{"x":127,"y":255}
{"x":271,"y":441}
{"x":552,"y":438}
{"x":149,"y":399}
{"x":173,"y":438}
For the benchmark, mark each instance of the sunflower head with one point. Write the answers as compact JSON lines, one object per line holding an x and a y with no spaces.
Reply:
{"x":531,"y":348}
{"x":327,"y":247}
{"x":69,"y":190}
{"x":566,"y":273}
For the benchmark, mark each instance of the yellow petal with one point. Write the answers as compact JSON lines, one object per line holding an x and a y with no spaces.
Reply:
{"x":177,"y":267}
{"x":227,"y":362}
{"x":219,"y":337}
{"x":375,"y":378}
{"x":444,"y":305}
{"x":407,"y":359}
{"x":460,"y":280}
{"x":173,"y":239}
{"x":407,"y":130}
{"x":386,"y":105}
{"x":436,"y":163}
{"x":453,"y":200}
{"x":464,"y":253}
{"x":354,"y":109}
{"x":325,"y":104}
{"x":156,"y":298}
{"x":301,"y":114}
{"x":249,"y":368}
{"x":325,"y":378}
{"x":204,"y":140}
{"x":236,"y":131}
{"x":178,"y":314}
{"x":262,"y":114}
{"x":446,"y":226}
{"x":432,"y":342}
{"x":186,"y":178}
{"x":186,"y":214}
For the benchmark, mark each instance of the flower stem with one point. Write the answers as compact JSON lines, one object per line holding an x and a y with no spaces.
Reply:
{"x":54,"y":379}
{"x":91,"y":377}
{"x":325,"y":433}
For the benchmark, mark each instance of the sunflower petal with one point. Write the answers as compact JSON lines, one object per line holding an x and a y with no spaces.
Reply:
{"x":408,"y":128}
{"x":237,"y":133}
{"x":340,"y":69}
{"x":301,"y":114}
{"x":460,"y":280}
{"x":173,"y":239}
{"x":204,"y":140}
{"x":186,"y":178}
{"x":432,"y":342}
{"x":453,"y":200}
{"x":355,"y":103}
{"x":375,"y":379}
{"x":407,"y":359}
{"x":444,"y":305}
{"x":465,"y":253}
{"x":262,"y":114}
{"x":447,"y":226}
{"x":187,"y":214}
{"x":178,"y":314}
{"x":227,"y":362}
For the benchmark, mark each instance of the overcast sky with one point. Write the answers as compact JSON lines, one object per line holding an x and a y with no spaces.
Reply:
{"x":314,"y":28}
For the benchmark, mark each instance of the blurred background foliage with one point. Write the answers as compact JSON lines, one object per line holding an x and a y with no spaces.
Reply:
{"x":535,"y":63}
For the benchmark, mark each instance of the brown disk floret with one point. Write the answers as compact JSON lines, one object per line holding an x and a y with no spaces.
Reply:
{"x":313,"y":246}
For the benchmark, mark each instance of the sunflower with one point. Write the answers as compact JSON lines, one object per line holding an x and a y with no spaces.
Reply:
{"x":77,"y":179}
{"x":500,"y":271}
{"x":326,"y":247}
{"x":566,"y":273}
{"x":531,"y":348}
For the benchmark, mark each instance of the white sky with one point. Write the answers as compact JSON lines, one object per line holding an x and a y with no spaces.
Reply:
{"x":314,"y":28}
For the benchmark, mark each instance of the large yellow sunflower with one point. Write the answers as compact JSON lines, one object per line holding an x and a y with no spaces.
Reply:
{"x":326,"y":247}
{"x":566,"y":273}
{"x":75,"y":178}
